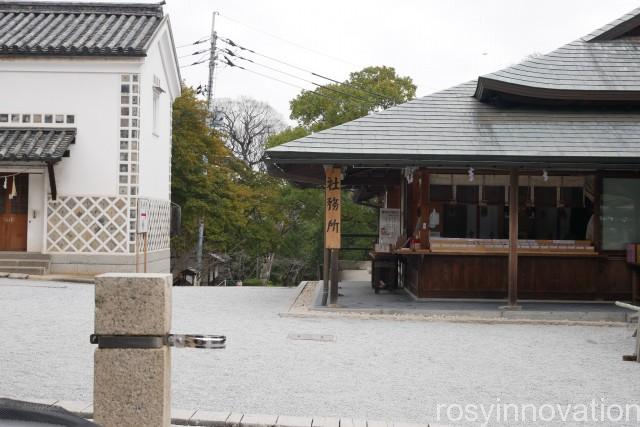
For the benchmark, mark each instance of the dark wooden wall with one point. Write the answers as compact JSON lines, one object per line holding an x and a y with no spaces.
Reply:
{"x":539,"y":277}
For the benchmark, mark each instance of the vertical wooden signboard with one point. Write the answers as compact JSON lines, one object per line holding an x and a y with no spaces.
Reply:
{"x":332,"y":208}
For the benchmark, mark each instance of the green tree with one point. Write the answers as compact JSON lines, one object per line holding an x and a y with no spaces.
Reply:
{"x":368,"y":90}
{"x":271,"y":229}
{"x":204,"y":178}
{"x":365,"y":91}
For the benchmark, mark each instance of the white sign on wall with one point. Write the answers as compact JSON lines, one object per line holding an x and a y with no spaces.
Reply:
{"x":389,"y":226}
{"x":143,"y":216}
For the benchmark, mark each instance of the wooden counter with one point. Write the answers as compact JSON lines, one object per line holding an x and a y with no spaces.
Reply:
{"x":541,"y":274}
{"x":500,"y":252}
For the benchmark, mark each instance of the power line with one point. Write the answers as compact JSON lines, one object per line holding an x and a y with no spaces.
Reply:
{"x":299,"y":78}
{"x":198,"y":52}
{"x":359,"y":87}
{"x":198,"y":62}
{"x":317,"y":52}
{"x":231,"y":64}
{"x":199,"y":41}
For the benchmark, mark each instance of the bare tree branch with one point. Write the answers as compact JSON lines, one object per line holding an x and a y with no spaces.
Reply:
{"x":247,"y":125}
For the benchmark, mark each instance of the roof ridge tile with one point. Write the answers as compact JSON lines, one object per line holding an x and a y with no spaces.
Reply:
{"x":73,"y":29}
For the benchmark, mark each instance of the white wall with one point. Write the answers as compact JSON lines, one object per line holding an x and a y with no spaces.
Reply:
{"x":86,"y":88}
{"x":89,"y":89}
{"x":36,"y":213}
{"x":155,"y":147}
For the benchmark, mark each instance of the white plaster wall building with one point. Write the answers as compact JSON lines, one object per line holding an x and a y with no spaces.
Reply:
{"x":85,"y":132}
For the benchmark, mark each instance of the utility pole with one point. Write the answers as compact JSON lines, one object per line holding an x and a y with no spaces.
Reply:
{"x":212,"y":67}
{"x":200,"y":244}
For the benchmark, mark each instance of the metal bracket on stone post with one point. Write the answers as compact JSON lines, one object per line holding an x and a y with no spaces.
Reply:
{"x":633,"y":357}
{"x":171,"y":340}
{"x":132,"y":364}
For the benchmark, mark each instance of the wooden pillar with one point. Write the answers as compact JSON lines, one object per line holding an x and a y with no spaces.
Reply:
{"x":597,"y":213}
{"x":333,"y":290}
{"x":325,"y":276}
{"x":513,"y":241}
{"x":424,"y":210}
{"x":332,"y":227}
{"x":635,"y":285}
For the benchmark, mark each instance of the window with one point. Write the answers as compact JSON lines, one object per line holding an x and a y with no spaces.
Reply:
{"x":26,"y":118}
{"x":59,"y":118}
{"x":156,"y":106}
{"x":620,"y":207}
{"x":556,"y":209}
{"x":71,"y":118}
{"x":37,"y":118}
{"x":157,"y":91}
{"x":4,"y":118}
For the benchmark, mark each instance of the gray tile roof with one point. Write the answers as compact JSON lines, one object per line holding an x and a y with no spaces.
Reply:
{"x":605,"y":65}
{"x":452,"y":125}
{"x":35,"y":144}
{"x":453,"y":128}
{"x":616,"y":28}
{"x":105,"y":29}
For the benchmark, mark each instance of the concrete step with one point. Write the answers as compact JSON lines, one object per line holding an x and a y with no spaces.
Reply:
{"x":24,"y":255}
{"x":24,"y":270}
{"x":24,"y":262}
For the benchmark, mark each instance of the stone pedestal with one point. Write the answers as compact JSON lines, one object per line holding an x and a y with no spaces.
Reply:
{"x":132,"y":385}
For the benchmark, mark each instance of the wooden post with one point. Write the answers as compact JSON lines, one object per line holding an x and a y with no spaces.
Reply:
{"x":137,"y":252}
{"x":333,"y":290}
{"x":638,"y":340}
{"x":52,"y":181}
{"x":635,"y":291}
{"x":146,"y":249}
{"x":597,"y":213}
{"x":424,"y":211}
{"x":325,"y":277}
{"x":332,"y":226}
{"x":513,"y":241}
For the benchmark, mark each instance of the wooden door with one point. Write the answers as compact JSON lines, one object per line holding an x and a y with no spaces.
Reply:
{"x":13,"y":213}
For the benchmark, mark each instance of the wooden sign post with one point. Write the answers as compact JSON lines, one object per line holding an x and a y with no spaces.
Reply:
{"x":142,"y":229}
{"x":332,"y":208}
{"x":332,"y":224}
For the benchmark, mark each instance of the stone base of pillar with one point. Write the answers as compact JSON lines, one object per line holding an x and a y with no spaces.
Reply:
{"x":124,"y":396}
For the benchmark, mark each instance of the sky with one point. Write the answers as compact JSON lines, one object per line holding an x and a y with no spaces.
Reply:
{"x":438,"y":43}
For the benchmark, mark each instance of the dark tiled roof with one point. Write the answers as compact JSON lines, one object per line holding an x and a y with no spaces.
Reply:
{"x":35,"y":144}
{"x":453,"y":126}
{"x":105,"y":29}
{"x":616,"y":28}
{"x":603,"y":66}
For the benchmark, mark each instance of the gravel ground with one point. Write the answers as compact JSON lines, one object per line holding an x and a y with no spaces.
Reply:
{"x":376,"y":369}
